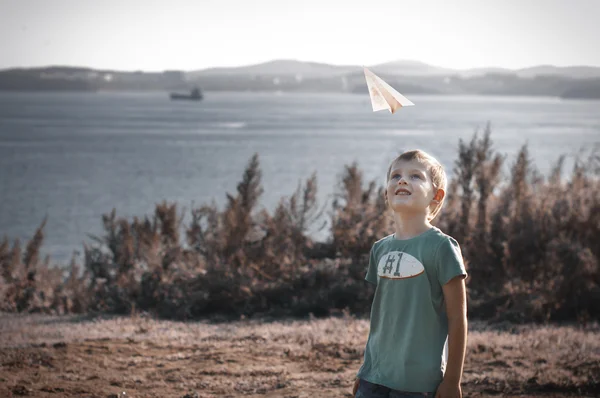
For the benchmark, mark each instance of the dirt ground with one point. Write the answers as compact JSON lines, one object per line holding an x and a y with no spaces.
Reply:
{"x":74,"y":356}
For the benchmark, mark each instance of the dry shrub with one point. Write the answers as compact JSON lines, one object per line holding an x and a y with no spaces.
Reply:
{"x":28,"y":283}
{"x":360,"y":216}
{"x":533,"y":249}
{"x":530,"y":244}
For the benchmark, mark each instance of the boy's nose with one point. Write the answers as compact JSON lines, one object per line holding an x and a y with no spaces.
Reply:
{"x":402,"y":181}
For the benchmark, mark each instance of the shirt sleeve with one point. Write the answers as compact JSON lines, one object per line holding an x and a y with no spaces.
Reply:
{"x":449,"y":261}
{"x":372,"y":270}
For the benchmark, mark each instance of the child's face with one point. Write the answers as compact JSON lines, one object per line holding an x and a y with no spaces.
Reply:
{"x":409,"y":188}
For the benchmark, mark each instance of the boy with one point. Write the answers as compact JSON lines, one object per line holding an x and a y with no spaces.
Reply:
{"x":418,"y":317}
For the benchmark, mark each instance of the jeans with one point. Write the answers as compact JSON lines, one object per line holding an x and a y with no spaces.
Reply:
{"x":370,"y":390}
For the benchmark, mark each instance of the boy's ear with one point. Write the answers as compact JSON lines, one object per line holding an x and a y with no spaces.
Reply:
{"x":439,"y":195}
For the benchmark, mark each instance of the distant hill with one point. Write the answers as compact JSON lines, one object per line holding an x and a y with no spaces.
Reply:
{"x":484,"y":71}
{"x":411,"y":68}
{"x":584,"y":89}
{"x":575,"y":72}
{"x":398,"y":67}
{"x":62,"y":78}
{"x":320,"y":70}
{"x":409,"y":77}
{"x":278,"y":68}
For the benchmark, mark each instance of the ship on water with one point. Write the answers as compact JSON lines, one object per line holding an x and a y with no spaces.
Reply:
{"x":194,"y":95}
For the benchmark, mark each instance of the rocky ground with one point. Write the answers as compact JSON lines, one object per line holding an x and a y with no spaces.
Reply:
{"x":51,"y":356}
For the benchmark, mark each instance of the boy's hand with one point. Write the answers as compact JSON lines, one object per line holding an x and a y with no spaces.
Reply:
{"x":448,"y":390}
{"x":355,"y":387}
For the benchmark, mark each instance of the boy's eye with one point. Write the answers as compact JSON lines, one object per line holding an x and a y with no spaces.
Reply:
{"x":416,"y":176}
{"x":395,"y":176}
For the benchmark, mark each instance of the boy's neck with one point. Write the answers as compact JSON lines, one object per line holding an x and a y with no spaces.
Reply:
{"x":410,"y":225}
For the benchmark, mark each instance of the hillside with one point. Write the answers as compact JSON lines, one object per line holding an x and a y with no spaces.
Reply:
{"x":409,"y":77}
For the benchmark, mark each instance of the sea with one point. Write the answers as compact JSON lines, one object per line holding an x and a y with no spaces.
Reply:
{"x":72,"y":157}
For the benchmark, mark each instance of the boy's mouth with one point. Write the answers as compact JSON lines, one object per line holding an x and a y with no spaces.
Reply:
{"x":402,"y":191}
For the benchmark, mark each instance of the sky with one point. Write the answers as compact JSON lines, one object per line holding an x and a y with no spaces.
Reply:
{"x":197,"y":34}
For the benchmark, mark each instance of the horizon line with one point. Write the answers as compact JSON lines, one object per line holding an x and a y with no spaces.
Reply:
{"x":294,"y":60}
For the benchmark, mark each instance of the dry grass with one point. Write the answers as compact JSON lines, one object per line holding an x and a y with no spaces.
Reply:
{"x":50,"y":356}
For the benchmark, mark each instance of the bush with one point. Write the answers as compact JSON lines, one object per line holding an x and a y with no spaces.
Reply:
{"x":530,"y":245}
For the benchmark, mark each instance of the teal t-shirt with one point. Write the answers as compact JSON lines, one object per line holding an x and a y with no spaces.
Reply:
{"x":409,"y":326}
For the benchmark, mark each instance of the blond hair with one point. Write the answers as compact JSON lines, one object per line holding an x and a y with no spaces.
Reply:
{"x":435,"y":169}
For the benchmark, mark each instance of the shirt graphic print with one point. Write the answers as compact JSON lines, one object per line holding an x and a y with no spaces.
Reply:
{"x":399,"y":265}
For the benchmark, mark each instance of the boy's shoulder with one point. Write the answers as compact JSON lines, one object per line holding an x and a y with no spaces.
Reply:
{"x":442,"y":236}
{"x":383,"y":240}
{"x":439,"y":241}
{"x":433,"y":236}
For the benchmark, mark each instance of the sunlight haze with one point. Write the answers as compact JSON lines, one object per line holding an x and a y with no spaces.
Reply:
{"x":190,"y":35}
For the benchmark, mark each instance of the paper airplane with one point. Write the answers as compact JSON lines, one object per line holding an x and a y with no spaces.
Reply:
{"x":384,"y":96}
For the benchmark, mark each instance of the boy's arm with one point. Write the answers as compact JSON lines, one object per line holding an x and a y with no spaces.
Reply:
{"x":456,"y":307}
